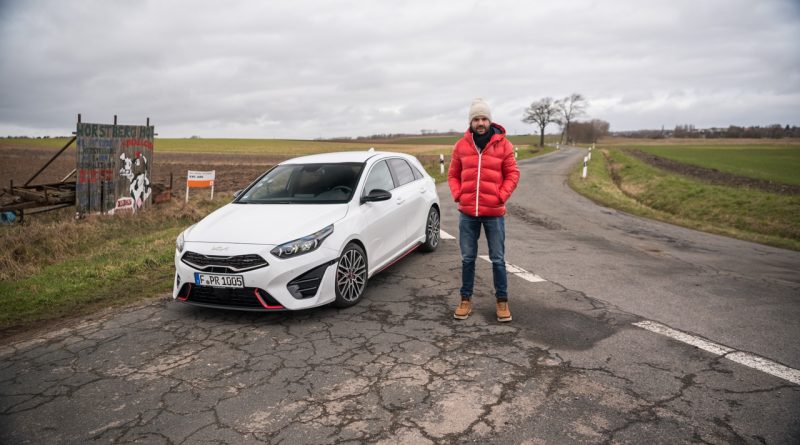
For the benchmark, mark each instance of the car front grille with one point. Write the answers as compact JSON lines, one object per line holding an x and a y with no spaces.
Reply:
{"x":234,"y":298}
{"x":223,"y":264}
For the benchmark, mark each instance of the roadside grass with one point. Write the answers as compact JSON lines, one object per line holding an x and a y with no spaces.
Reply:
{"x":61,"y":267}
{"x":118,"y":273}
{"x":47,"y":239}
{"x":620,"y":181}
{"x":779,"y":163}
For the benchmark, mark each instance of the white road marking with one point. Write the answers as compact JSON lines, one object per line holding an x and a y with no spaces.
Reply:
{"x":743,"y":358}
{"x":518,"y":271}
{"x":705,"y":345}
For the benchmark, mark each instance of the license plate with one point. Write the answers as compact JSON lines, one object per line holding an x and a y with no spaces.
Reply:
{"x":205,"y":279}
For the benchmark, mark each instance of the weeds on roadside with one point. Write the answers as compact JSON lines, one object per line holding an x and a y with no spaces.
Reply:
{"x":47,"y":239}
{"x":55,"y":266}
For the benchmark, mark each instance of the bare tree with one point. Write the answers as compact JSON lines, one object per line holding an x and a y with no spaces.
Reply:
{"x":570,"y":108}
{"x":541,"y":113}
{"x":589,"y":131}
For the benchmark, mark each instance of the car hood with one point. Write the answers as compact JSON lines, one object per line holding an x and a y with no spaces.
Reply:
{"x":264,"y":223}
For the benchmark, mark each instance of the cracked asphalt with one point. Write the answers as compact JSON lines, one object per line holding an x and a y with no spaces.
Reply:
{"x":397,"y":368}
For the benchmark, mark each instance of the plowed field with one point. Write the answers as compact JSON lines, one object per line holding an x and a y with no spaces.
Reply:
{"x":234,"y":171}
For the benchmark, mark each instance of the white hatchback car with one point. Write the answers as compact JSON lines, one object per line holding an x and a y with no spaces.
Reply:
{"x":309,"y":232}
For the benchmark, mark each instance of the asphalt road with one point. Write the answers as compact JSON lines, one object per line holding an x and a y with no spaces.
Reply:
{"x":571,"y":368}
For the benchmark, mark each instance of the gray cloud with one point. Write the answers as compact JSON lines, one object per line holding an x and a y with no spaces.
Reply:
{"x":306,"y":69}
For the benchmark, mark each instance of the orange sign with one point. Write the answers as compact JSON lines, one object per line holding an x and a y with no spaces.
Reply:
{"x":196,"y":179}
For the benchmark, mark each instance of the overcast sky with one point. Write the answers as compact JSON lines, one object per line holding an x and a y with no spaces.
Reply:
{"x":309,"y":69}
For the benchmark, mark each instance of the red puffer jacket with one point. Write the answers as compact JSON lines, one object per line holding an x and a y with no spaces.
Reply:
{"x":482,"y":182}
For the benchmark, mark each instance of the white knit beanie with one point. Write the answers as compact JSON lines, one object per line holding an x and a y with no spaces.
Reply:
{"x":479,"y":107}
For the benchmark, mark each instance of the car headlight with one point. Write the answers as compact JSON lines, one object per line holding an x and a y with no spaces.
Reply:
{"x":302,"y":245}
{"x":181,"y":240}
{"x":179,"y":243}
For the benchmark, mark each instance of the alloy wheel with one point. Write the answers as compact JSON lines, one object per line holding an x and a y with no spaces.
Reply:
{"x":351,"y":275}
{"x":432,"y":228}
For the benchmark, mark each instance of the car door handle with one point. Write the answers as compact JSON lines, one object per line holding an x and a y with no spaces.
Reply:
{"x":400,"y":201}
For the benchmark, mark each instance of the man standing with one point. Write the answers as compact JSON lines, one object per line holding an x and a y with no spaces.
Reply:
{"x":483,"y":174}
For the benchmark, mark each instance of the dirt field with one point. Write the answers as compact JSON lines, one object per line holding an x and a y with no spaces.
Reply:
{"x":234,"y":171}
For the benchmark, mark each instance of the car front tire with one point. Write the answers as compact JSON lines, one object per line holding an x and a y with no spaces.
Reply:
{"x":351,"y":276}
{"x":432,"y":231}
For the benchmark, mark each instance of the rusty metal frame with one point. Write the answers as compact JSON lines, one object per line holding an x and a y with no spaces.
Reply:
{"x":43,"y":197}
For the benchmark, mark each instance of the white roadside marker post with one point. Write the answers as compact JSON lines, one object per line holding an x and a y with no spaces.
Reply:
{"x":441,"y":164}
{"x":516,"y":152}
{"x":585,"y":161}
{"x":590,"y":153}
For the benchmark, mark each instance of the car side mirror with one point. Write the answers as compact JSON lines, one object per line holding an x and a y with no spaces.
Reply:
{"x":376,"y":195}
{"x":237,"y":193}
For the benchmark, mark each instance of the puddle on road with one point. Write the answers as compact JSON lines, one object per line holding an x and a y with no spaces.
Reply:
{"x":561,"y":328}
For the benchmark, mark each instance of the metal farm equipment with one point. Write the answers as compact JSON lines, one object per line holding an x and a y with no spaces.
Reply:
{"x":31,"y":199}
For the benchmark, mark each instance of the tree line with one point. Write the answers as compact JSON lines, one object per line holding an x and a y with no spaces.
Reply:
{"x":564,"y":112}
{"x":774,"y":131}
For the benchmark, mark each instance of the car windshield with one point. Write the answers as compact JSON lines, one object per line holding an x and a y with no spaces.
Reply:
{"x":304,"y":184}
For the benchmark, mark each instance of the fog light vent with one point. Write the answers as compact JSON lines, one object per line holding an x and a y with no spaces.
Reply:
{"x":307,"y":284}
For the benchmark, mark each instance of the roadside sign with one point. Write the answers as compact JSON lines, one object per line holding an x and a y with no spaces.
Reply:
{"x":113,"y":167}
{"x":200,"y":179}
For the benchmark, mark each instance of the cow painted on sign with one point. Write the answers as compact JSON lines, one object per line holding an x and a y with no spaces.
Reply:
{"x":135,"y":170}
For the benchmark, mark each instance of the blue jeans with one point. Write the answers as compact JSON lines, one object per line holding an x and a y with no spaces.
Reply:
{"x":469,"y":231}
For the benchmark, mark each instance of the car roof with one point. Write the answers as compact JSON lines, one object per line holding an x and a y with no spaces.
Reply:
{"x":342,"y":156}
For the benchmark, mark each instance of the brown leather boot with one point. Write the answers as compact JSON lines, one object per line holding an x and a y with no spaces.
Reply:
{"x":463,"y":310}
{"x":503,"y":312}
